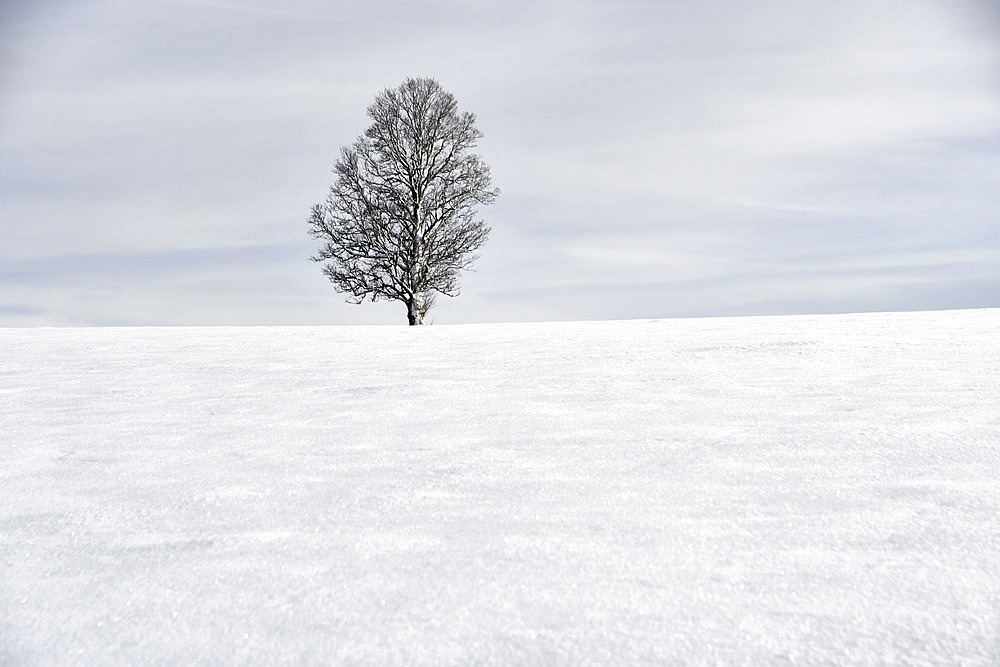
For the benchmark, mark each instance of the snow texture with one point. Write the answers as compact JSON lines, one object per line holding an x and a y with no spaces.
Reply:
{"x":770,"y":490}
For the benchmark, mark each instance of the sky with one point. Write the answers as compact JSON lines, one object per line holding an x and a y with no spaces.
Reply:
{"x":662,"y":158}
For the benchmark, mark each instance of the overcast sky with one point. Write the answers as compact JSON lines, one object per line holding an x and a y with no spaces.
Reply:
{"x":661,"y":158}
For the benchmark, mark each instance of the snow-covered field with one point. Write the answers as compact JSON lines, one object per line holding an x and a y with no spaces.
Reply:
{"x":821,"y":489}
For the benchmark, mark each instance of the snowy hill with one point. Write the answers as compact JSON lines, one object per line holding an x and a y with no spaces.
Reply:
{"x":821,"y":489}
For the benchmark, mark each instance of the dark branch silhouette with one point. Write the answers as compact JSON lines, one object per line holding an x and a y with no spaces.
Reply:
{"x":399,"y":222}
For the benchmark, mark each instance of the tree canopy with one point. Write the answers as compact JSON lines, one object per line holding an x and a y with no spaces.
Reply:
{"x":399,"y":222}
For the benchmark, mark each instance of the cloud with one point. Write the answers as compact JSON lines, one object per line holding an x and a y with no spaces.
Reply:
{"x":654,"y":158}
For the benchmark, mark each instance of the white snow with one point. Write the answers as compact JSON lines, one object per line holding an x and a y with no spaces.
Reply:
{"x":809,"y":489}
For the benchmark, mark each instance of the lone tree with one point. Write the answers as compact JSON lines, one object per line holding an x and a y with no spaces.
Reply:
{"x":399,"y":222}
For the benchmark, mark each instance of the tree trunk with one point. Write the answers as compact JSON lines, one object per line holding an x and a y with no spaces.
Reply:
{"x":416,"y":306}
{"x":415,"y":309}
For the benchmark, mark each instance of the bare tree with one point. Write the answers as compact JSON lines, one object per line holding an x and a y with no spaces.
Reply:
{"x":399,"y":222}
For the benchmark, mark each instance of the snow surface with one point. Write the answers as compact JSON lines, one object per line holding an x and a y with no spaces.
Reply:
{"x":811,"y":489}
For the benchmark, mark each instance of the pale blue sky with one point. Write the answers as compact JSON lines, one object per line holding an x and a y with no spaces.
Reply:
{"x":158,"y":159}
